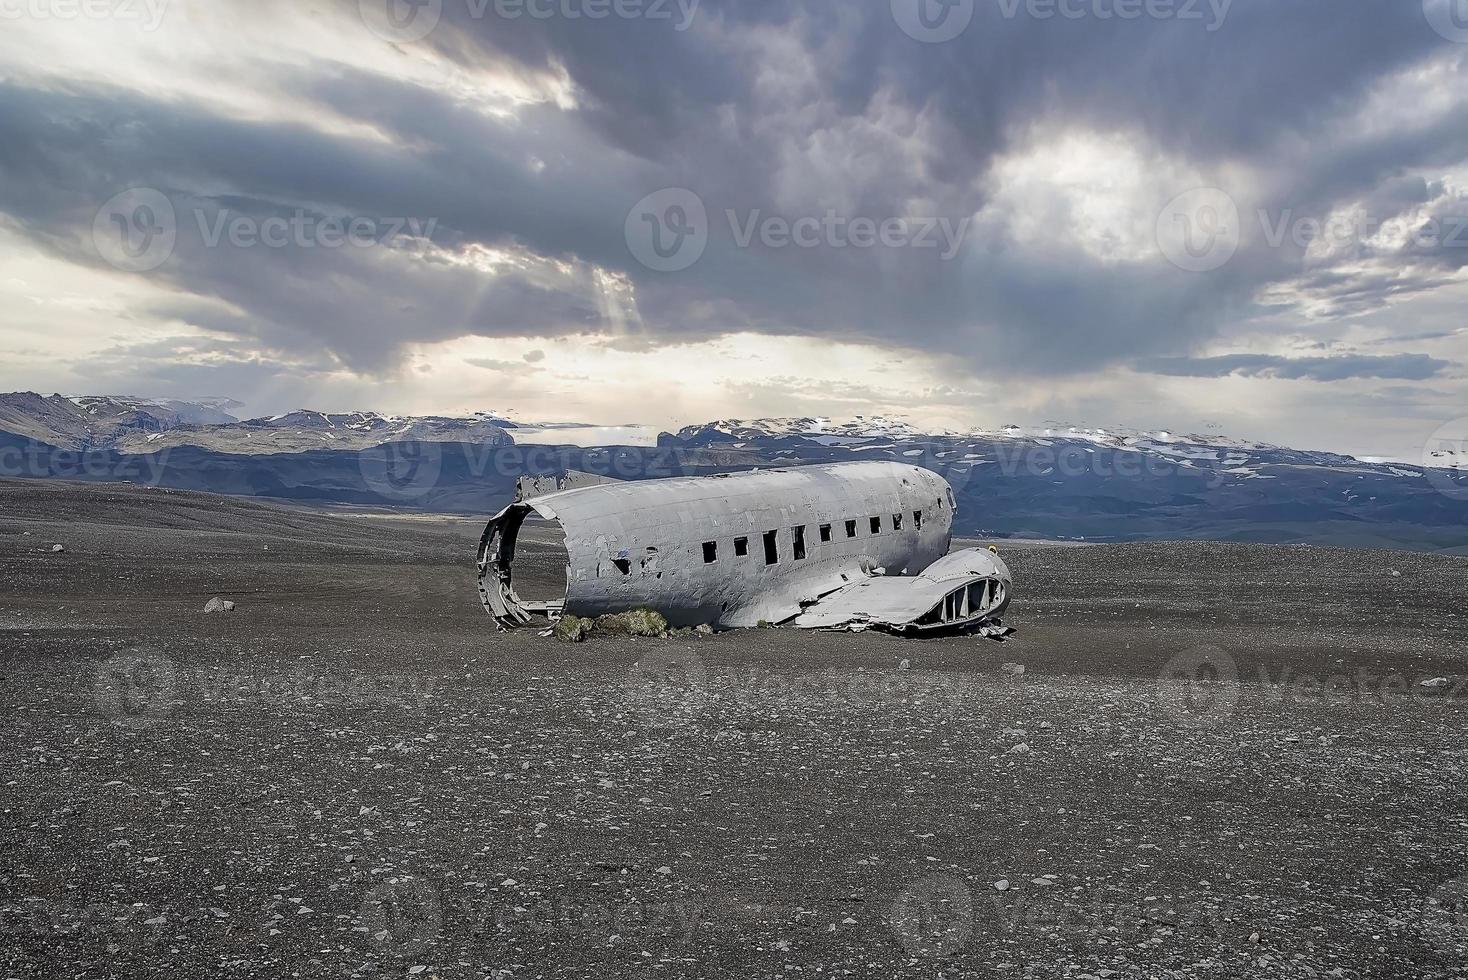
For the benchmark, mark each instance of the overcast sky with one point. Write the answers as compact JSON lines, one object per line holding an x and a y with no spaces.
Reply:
{"x":1244,"y":217}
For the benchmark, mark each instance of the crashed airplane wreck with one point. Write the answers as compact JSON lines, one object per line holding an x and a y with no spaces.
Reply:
{"x":861,"y":545}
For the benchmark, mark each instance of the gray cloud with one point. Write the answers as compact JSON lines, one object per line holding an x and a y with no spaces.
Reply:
{"x":1403,"y":367}
{"x":790,"y":108}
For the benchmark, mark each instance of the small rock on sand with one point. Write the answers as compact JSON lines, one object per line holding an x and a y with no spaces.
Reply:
{"x":57,"y":549}
{"x":218,"y":605}
{"x":1015,"y":669}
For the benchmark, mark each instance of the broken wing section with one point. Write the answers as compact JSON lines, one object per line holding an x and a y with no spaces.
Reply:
{"x":959,"y":591}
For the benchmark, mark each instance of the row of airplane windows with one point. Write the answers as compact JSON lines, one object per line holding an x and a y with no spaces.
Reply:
{"x":797,"y":534}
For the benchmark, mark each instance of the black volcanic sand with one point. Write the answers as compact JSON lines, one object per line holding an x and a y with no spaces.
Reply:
{"x":354,"y":775}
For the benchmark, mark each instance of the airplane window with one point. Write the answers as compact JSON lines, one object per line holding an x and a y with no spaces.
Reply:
{"x":741,"y":547}
{"x":851,"y":529}
{"x":876,"y":525}
{"x":896,"y":522}
{"x":710,"y":552}
{"x":917,"y":519}
{"x":772,"y":554}
{"x":825,"y":532}
{"x":798,"y":531}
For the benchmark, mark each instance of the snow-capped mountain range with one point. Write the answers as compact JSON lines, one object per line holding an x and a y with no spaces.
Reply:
{"x":133,"y":424}
{"x":1052,"y":480}
{"x":141,"y":425}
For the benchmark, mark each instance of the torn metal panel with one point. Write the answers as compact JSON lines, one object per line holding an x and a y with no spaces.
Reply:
{"x":540,"y":485}
{"x":733,"y":550}
{"x":956,"y":592}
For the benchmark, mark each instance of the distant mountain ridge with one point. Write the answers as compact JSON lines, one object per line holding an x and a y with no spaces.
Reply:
{"x":137,"y":425}
{"x":1051,"y":481}
{"x":89,"y":422}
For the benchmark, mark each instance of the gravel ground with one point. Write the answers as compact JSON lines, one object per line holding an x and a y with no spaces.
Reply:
{"x":1219,"y":761}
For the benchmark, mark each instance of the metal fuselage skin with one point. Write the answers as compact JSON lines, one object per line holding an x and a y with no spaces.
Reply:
{"x":675,"y":545}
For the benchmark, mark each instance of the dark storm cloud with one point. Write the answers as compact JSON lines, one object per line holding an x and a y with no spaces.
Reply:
{"x":1401,"y":367}
{"x":788,"y":109}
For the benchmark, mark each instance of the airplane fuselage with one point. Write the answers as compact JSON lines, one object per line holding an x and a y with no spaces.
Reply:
{"x":731,"y":550}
